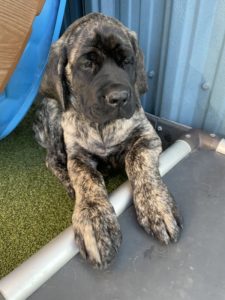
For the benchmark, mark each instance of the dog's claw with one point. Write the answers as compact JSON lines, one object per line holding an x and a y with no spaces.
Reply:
{"x":97,"y":235}
{"x":160,"y":217}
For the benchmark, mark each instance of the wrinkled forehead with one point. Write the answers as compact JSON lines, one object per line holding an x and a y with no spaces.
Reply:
{"x":104,"y":37}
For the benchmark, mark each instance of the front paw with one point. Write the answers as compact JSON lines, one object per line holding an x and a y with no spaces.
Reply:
{"x":97,"y":233}
{"x":157,"y":213}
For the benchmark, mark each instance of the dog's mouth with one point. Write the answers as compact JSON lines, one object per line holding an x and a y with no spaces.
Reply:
{"x":102,"y":115}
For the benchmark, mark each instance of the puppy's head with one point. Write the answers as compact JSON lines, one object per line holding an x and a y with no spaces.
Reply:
{"x":96,"y":67}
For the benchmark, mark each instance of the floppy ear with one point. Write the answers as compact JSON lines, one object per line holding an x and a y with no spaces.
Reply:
{"x":54,"y":83}
{"x":141,"y":77}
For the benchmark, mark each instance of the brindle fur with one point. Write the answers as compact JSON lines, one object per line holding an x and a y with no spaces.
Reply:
{"x":76,"y":141}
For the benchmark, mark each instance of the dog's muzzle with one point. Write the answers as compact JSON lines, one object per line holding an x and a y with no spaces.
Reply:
{"x":113,"y":95}
{"x":116,"y":102}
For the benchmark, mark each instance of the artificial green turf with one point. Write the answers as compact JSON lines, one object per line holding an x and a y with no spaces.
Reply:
{"x":34,"y":206}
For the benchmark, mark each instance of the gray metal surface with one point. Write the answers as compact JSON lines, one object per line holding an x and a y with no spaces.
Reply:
{"x":192,"y":269}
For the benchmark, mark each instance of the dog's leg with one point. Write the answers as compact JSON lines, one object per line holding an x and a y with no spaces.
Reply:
{"x":96,"y":228}
{"x":49,"y":134}
{"x":154,"y":205}
{"x":59,"y":169}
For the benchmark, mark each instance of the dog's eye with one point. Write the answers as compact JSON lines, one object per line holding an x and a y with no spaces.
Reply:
{"x":89,"y":61}
{"x":129,"y":60}
{"x":126,"y":61}
{"x":87,"y":65}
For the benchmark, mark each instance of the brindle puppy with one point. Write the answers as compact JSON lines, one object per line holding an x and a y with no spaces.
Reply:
{"x":91,"y":112}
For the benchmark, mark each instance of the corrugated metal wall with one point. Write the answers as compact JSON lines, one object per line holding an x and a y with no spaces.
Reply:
{"x":192,"y":88}
{"x":184,"y":46}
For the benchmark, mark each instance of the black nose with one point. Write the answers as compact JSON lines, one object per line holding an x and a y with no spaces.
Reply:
{"x":117,"y":98}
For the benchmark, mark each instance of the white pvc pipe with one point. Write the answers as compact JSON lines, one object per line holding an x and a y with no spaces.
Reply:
{"x":173,"y":155}
{"x":30,"y":275}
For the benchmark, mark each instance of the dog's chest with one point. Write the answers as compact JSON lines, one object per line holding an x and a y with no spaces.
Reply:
{"x":99,"y":141}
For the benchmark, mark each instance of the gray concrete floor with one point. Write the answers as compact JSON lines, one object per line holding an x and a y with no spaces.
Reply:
{"x":192,"y":269}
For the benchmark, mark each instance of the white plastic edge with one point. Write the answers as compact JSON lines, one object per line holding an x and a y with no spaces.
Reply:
{"x":30,"y":275}
{"x":221,"y":147}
